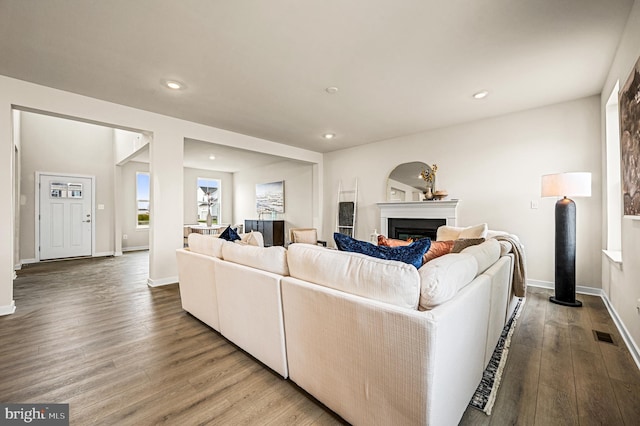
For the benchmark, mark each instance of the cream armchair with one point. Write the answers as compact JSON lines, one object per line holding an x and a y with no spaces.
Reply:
{"x":305,"y":236}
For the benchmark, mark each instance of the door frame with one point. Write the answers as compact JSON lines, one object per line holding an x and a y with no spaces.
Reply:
{"x":37,"y":207}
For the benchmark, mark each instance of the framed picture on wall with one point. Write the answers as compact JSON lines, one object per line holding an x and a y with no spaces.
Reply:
{"x":629,"y":103}
{"x":270,"y":197}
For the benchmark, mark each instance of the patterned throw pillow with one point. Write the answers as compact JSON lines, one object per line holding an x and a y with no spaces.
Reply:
{"x":230,"y":234}
{"x":437,"y":249}
{"x":391,"y":242}
{"x":463,"y":243}
{"x":411,"y":254}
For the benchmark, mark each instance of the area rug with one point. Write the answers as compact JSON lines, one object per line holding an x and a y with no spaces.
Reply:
{"x":485,"y":394}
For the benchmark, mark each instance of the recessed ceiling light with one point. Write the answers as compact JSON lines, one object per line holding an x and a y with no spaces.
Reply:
{"x":329,"y":135}
{"x":480,"y":95}
{"x":173,"y":84}
{"x":212,"y":157}
{"x":331,"y":90}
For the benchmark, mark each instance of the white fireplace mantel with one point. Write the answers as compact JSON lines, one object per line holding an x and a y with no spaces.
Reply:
{"x":443,"y":209}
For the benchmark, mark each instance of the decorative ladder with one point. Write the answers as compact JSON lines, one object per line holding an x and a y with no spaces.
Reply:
{"x":346,"y":210}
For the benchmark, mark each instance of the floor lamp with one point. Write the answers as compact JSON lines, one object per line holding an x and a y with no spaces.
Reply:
{"x":564,"y":185}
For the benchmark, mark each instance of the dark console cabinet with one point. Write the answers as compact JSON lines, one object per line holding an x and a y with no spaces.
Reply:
{"x":271,"y":230}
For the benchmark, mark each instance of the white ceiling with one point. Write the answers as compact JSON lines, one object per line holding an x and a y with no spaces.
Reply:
{"x":261,"y":67}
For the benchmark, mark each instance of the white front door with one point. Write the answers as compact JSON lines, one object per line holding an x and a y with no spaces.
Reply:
{"x":65,"y":216}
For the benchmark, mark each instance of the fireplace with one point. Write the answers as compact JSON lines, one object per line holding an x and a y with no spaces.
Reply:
{"x":420,"y":219}
{"x":403,"y":228}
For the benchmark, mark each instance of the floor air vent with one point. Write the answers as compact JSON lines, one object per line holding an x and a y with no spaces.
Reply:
{"x":602,"y":336}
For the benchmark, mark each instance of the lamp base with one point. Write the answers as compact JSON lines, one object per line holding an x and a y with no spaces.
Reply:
{"x":565,"y":283}
{"x":575,"y":303}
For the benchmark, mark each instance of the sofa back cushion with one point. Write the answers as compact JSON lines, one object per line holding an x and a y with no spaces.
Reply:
{"x":252,"y":238}
{"x":270,"y":259}
{"x":445,"y":232}
{"x":443,"y":277}
{"x":486,"y":254}
{"x":209,"y":245}
{"x":388,"y":281}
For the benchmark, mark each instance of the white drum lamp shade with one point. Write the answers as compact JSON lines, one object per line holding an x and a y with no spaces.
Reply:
{"x":565,"y":185}
{"x":576,"y":184}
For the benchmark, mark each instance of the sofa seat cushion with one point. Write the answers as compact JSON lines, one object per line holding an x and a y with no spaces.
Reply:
{"x":209,"y":245}
{"x":387,"y":281}
{"x":443,"y":277}
{"x":270,"y":259}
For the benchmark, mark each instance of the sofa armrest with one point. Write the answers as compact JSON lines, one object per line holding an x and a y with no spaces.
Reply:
{"x":196,"y":275}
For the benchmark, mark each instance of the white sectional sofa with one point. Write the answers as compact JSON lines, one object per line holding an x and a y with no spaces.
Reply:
{"x":376,"y":341}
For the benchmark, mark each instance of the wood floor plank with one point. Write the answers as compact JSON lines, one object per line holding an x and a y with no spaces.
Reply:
{"x":628,"y":398}
{"x":594,"y":394}
{"x":517,"y":398}
{"x":619,"y":363}
{"x":474,"y":417}
{"x":530,"y":328}
{"x":555,"y":407}
{"x":556,"y":365}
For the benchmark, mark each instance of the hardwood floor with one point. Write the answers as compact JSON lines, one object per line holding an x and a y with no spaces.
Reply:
{"x":91,"y":333}
{"x":558,"y":374}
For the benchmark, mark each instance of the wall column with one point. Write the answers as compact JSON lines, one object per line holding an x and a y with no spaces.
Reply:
{"x":166,"y":220}
{"x":7,"y":305}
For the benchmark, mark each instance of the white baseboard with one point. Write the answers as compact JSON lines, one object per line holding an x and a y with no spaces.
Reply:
{"x":8,"y":309}
{"x":626,"y":336}
{"x":125,"y":249}
{"x":118,"y":253}
{"x":579,"y":288}
{"x":162,"y":281}
{"x":17,"y":267}
{"x":540,"y":284}
{"x":101,"y":254}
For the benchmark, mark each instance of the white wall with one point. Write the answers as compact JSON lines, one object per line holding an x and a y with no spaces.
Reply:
{"x":127,"y":144}
{"x":494,"y":167}
{"x":623,"y":284}
{"x":51,"y":144}
{"x":298,"y":193}
{"x":191,"y":194}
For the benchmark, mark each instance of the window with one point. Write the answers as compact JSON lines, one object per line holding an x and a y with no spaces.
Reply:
{"x":142,"y":199}
{"x":208,"y":199}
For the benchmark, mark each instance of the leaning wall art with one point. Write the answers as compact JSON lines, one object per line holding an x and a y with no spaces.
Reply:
{"x":270,"y":197}
{"x":630,"y":142}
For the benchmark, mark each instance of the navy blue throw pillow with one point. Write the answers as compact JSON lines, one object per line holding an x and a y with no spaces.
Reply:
{"x":230,"y":234}
{"x":411,"y":254}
